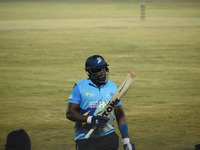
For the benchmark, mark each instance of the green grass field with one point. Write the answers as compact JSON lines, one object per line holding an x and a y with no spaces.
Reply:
{"x":43,"y":48}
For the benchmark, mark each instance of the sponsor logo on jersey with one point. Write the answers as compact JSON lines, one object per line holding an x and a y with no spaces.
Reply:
{"x":89,"y":94}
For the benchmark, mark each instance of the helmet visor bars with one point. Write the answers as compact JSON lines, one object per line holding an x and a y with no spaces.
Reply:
{"x":99,"y":76}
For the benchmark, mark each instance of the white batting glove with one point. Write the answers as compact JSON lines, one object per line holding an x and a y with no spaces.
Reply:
{"x":127,"y":144}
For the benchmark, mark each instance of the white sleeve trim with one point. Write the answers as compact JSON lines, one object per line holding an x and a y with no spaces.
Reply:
{"x":89,"y":119}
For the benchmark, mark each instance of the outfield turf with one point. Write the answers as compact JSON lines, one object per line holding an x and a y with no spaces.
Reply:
{"x":43,"y":48}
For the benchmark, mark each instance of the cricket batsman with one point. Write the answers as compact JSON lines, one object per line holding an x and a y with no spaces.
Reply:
{"x":86,"y":100}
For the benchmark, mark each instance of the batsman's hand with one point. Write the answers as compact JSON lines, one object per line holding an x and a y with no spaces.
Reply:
{"x":127,"y":144}
{"x":99,"y":121}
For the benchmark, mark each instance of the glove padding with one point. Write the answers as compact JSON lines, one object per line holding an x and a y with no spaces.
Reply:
{"x":127,"y":144}
{"x":99,"y":121}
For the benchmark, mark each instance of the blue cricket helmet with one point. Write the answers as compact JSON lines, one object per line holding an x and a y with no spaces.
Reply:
{"x":95,"y":62}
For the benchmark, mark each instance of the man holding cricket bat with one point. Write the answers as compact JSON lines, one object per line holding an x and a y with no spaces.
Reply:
{"x":93,"y":103}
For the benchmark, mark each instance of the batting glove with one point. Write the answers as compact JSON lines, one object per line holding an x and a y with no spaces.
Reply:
{"x":127,"y":144}
{"x":99,"y":121}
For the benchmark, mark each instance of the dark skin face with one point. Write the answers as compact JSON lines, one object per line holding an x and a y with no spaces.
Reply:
{"x":98,"y":76}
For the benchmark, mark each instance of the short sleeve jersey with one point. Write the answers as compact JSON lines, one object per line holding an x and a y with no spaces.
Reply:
{"x":92,"y":99}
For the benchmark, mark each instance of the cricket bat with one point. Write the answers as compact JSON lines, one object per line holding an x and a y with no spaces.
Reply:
{"x":121,"y":91}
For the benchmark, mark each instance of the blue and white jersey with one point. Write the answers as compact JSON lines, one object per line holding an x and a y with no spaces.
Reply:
{"x":92,"y":99}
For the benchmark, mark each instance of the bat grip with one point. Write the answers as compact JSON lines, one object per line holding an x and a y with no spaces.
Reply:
{"x":90,"y":132}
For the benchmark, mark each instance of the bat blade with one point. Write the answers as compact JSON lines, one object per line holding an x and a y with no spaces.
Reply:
{"x":121,"y":91}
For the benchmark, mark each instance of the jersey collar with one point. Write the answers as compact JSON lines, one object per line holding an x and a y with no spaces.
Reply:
{"x":92,"y":84}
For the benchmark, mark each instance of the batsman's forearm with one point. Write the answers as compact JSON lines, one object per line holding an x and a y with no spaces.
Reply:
{"x":76,"y":117}
{"x":120,"y":115}
{"x":73,"y":114}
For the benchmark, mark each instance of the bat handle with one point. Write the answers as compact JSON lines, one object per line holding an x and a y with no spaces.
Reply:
{"x":90,"y":132}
